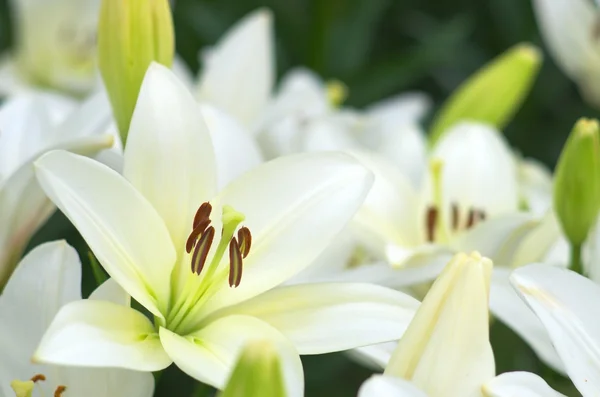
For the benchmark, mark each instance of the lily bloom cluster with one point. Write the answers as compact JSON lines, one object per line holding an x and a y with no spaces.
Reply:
{"x":235,"y":227}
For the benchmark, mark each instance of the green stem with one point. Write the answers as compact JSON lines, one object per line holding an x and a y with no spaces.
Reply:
{"x":576,"y":264}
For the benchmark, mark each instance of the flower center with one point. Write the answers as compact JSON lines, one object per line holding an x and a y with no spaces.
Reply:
{"x":436,"y":218}
{"x":25,"y":388}
{"x":208,"y":273}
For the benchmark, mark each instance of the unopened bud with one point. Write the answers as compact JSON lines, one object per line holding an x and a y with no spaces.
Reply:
{"x":493,"y":94}
{"x":131,"y":35}
{"x":258,"y":372}
{"x":577,"y":181}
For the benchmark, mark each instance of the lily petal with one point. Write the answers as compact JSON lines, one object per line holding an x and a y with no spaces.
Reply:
{"x":506,"y":304}
{"x":567,"y":26}
{"x":209,"y":355}
{"x":389,"y":386}
{"x":92,"y":333}
{"x":535,"y":181}
{"x":238,"y":75}
{"x":479,"y":170}
{"x":522,"y":384}
{"x":111,"y":291}
{"x":283,"y":200}
{"x":236,"y":151}
{"x":499,"y":238}
{"x":376,"y":356}
{"x":315,"y":317}
{"x":390,"y":213}
{"x":565,"y":303}
{"x":169,"y":156}
{"x":127,"y":235}
{"x":51,"y":276}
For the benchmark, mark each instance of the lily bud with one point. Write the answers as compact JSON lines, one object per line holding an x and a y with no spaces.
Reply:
{"x":131,"y":35}
{"x":450,"y":326}
{"x":577,"y":181}
{"x":493,"y":94}
{"x":257,"y":373}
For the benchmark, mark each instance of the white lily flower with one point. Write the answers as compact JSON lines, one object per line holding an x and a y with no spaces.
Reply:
{"x":469,"y":202}
{"x":304,"y":116}
{"x":239,"y":71}
{"x":446,"y":351}
{"x":570,"y":30}
{"x":55,"y":47}
{"x":31,"y":124}
{"x":48,"y":278}
{"x":565,"y":302}
{"x":153,"y":233}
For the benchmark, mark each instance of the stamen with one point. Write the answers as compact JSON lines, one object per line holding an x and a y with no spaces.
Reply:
{"x":202,"y":249}
{"x":59,"y":391}
{"x":454,"y":216}
{"x":235,"y":263}
{"x":202,"y":214}
{"x":245,"y":240}
{"x":38,"y":378}
{"x":431,"y":220}
{"x":471,"y":219}
{"x":193,"y":237}
{"x":481,"y":215}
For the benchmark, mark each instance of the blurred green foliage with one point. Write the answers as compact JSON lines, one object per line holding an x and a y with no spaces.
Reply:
{"x":381,"y":48}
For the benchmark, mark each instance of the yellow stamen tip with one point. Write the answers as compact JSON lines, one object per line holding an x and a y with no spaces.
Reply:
{"x":337,"y":92}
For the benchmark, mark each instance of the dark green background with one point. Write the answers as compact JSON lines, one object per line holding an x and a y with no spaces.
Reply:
{"x":380,"y":48}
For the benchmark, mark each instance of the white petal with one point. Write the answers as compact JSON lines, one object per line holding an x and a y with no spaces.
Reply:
{"x":209,"y":355}
{"x":535,"y":182}
{"x":499,"y":238}
{"x":404,"y":108}
{"x":566,"y":304}
{"x":46,"y":278}
{"x":238,"y":76}
{"x":406,"y":147}
{"x":111,"y":291}
{"x":391,"y":212}
{"x":283,"y":201}
{"x":326,"y":133}
{"x":327,"y":317}
{"x":389,"y":386}
{"x":120,"y":226}
{"x":543,"y":244}
{"x":522,"y":384}
{"x":100,"y":382}
{"x":92,"y":333}
{"x":568,"y":26}
{"x":169,"y":156}
{"x":512,"y":311}
{"x":236,"y":151}
{"x":11,"y":82}
{"x":479,"y":170}
{"x":376,"y":356}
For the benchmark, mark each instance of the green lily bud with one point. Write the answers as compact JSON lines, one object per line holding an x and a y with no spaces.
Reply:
{"x":493,"y":94}
{"x":132,"y":34}
{"x":257,"y":373}
{"x":577,"y":182}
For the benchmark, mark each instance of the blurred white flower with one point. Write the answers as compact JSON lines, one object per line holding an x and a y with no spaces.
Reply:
{"x":152,"y":230}
{"x":48,"y":278}
{"x":55,"y":47}
{"x":571,"y":31}
{"x":445,"y":351}
{"x":31,"y":124}
{"x":566,"y":304}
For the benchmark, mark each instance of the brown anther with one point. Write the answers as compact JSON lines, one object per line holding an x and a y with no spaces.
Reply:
{"x":471,"y":218}
{"x":431,"y":220}
{"x":481,"y":215}
{"x":202,"y":249}
{"x":245,"y":241}
{"x":202,"y":214}
{"x":193,"y":237}
{"x":38,"y":378}
{"x":59,"y":391}
{"x":235,"y":263}
{"x":454,"y":216}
